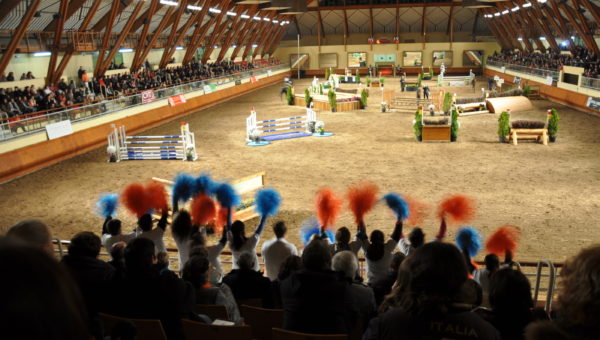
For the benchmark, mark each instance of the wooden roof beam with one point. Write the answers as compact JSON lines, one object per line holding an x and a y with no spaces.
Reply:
{"x":115,"y":8}
{"x":62,"y":11}
{"x":74,"y":6}
{"x":18,"y":35}
{"x":101,"y":24}
{"x":166,"y":55}
{"x":235,"y":30}
{"x":217,"y":31}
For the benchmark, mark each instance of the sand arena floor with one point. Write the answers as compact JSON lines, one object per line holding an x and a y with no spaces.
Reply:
{"x":551,"y":192}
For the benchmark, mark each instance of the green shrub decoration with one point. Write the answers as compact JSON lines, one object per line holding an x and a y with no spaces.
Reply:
{"x":431,"y":72}
{"x":290,"y":95}
{"x":357,"y":76}
{"x":418,"y":125}
{"x":454,"y":127}
{"x":363,"y":98}
{"x":419,"y":79}
{"x":504,"y":125}
{"x":307,"y":97}
{"x":447,"y":102}
{"x":553,"y":123}
{"x":368,"y":81}
{"x":332,"y":99}
{"x":381,"y":81}
{"x":327,"y":74}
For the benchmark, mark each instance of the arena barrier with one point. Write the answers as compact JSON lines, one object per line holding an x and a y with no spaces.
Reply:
{"x":456,"y":80}
{"x":123,"y":147}
{"x":279,"y":128}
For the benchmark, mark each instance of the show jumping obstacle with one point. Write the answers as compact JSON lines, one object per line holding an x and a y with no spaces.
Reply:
{"x":172,"y":147}
{"x":280,"y":128}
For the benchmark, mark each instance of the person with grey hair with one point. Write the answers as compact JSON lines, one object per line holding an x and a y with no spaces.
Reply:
{"x":247,"y":283}
{"x":34,"y":233}
{"x":363,"y":297}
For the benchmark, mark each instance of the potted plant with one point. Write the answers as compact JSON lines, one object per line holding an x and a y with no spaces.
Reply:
{"x":447,"y":103}
{"x":320,"y":88}
{"x":426,"y":76}
{"x":381,"y":81}
{"x":503,"y":127}
{"x":254,"y":135}
{"x":357,"y":76}
{"x":363,"y":98}
{"x":454,"y":126}
{"x":418,"y":125}
{"x":526,"y":90}
{"x":320,"y":127}
{"x":368,"y":81}
{"x":307,"y":98}
{"x":327,"y":74}
{"x":419,"y":79}
{"x":289,"y":95}
{"x":332,"y":100}
{"x":430,"y":72}
{"x":112,"y":153}
{"x":383,"y":106}
{"x":553,"y":120}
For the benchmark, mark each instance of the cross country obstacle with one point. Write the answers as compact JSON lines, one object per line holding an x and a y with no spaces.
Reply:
{"x":279,"y":128}
{"x":455,"y":80}
{"x":172,"y":147}
{"x":398,"y":103}
{"x":468,"y":106}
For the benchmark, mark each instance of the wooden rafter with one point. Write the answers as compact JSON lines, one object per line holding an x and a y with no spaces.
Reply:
{"x":501,"y":32}
{"x":558,"y":15}
{"x":295,"y":20}
{"x":157,"y":32}
{"x":18,"y":34}
{"x":235,"y":30}
{"x":196,"y":40}
{"x":120,"y":38}
{"x":547,"y":12}
{"x":321,"y":24}
{"x":74,"y":6}
{"x":542,"y":27}
{"x":397,"y":36}
{"x":475,"y":20}
{"x":246,"y":36}
{"x":258,"y":33}
{"x":346,"y":30}
{"x":114,"y":10}
{"x":273,"y":44}
{"x":106,"y":19}
{"x":544,"y":24}
{"x":171,"y":46}
{"x":509,"y":27}
{"x":265,"y":37}
{"x":62,"y":11}
{"x":582,"y":28}
{"x":217,"y":31}
{"x":450,"y":28}
{"x":594,"y":9}
{"x":147,"y":21}
{"x":423,"y":33}
{"x":371,"y":25}
{"x":7,"y":7}
{"x":586,"y":28}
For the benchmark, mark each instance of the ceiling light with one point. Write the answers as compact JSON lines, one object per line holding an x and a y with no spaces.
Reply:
{"x":527,"y":4}
{"x":497,"y":14}
{"x":234,"y":45}
{"x":572,"y":37}
{"x":256,"y":18}
{"x":515,"y":9}
{"x":179,"y":48}
{"x":565,"y":42}
{"x":42,"y":54}
{"x":231,"y":13}
{"x":244,"y":16}
{"x":195,"y":8}
{"x":266,"y":19}
{"x":214,"y":10}
{"x":254,"y":45}
{"x":125,"y":50}
{"x":275,"y":21}
{"x":542,"y":38}
{"x":216,"y":46}
{"x":542,"y":1}
{"x":520,"y":39}
{"x":505,"y":12}
{"x":169,"y":2}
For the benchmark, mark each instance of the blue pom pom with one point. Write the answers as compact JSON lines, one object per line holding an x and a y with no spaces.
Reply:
{"x":267,"y":202}
{"x":311,"y":227}
{"x":107,"y":205}
{"x":183,"y":188}
{"x":468,"y":239}
{"x":204,"y":185}
{"x":398,"y":205}
{"x":227,"y":196}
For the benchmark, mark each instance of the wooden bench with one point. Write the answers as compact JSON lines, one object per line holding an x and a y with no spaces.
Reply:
{"x":245,"y":187}
{"x":529,"y":134}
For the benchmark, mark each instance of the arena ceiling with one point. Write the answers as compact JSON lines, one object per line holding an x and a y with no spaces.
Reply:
{"x":205,"y":23}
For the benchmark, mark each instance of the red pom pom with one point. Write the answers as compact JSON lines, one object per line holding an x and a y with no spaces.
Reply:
{"x":506,"y":238}
{"x":157,"y":196}
{"x":361,"y":199}
{"x":203,"y":210}
{"x":328,"y":207}
{"x":221,"y":218}
{"x":419,"y":211}
{"x":134,"y":198}
{"x":459,"y":208}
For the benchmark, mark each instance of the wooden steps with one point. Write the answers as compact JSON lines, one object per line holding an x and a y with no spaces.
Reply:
{"x":539,"y":135}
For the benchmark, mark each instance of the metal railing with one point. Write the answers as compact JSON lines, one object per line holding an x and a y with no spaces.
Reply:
{"x":591,"y":83}
{"x":538,"y":72}
{"x":31,"y":123}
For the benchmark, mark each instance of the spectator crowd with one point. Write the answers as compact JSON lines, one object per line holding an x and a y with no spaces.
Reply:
{"x":552,"y":60}
{"x":413,"y":289}
{"x":18,"y":101}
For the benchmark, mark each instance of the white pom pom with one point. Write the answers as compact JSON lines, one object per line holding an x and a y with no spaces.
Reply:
{"x":320,"y":124}
{"x":111,"y":149}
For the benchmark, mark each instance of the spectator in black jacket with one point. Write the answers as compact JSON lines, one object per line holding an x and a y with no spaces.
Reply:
{"x":317,"y":299}
{"x":247,"y":283}
{"x":383,"y":286}
{"x":146,"y":294}
{"x":91,"y":274}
